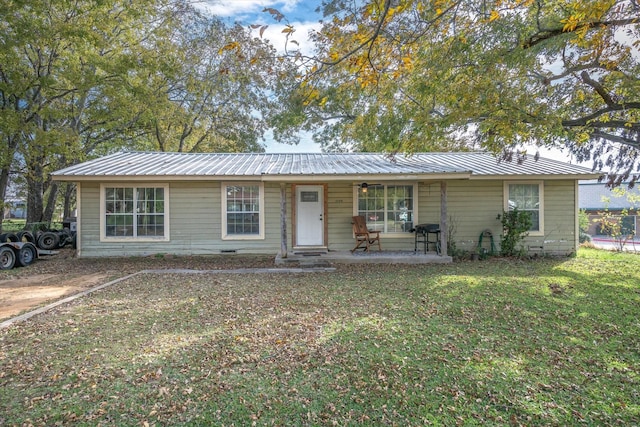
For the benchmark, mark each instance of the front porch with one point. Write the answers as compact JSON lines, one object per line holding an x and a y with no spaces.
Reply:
{"x":324,"y":258}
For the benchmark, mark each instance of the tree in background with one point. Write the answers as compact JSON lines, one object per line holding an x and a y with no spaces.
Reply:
{"x":417,"y":75}
{"x":219,"y":92}
{"x":64,"y":85}
{"x":84,"y":78}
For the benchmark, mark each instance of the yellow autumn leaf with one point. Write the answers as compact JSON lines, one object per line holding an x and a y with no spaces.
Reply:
{"x":494,"y":15}
{"x":229,"y":46}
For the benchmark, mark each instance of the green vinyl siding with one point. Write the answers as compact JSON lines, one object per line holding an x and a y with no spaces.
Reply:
{"x":474,"y":206}
{"x":340,"y":212}
{"x":195,"y":218}
{"x":560,"y":199}
{"x":195,"y":221}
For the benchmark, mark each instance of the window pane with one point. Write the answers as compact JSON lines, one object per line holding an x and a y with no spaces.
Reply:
{"x":122,"y":219}
{"x":387,"y":208}
{"x":150,"y":225}
{"x":243,"y":223}
{"x":371,"y":206}
{"x":119,"y":225}
{"x":526,"y":197}
{"x":399,"y":208}
{"x":243,"y":209}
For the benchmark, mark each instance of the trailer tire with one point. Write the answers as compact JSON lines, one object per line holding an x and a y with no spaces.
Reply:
{"x":27,"y":254}
{"x":64,"y":239}
{"x":48,"y":240}
{"x":7,"y":258}
{"x":26,"y":236}
{"x":10,"y":237}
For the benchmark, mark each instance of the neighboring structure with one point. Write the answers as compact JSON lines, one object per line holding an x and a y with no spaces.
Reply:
{"x":142,"y":203}
{"x":596,"y":198}
{"x":15,"y":209}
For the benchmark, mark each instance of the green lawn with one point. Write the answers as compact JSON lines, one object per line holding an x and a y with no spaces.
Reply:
{"x":496,"y":342}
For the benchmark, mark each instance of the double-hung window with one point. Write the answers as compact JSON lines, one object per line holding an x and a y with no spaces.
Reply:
{"x":134,"y":212}
{"x":527,"y":197}
{"x":388,"y":208}
{"x":242,"y":211}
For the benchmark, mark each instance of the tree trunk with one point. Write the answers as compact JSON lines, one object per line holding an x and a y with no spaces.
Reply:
{"x":4,"y":182}
{"x":34,"y":200}
{"x":69,"y":193}
{"x":8,"y":155}
{"x":50,"y":207}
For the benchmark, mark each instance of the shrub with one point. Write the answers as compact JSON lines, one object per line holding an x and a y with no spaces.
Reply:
{"x":515,"y":227}
{"x":584,"y":237}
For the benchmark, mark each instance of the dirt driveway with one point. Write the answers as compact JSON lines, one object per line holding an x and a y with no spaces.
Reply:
{"x":54,"y":277}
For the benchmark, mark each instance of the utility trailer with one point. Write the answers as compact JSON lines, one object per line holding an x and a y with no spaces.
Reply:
{"x":18,"y":254}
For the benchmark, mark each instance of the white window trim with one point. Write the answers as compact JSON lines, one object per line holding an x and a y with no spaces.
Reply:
{"x":386,"y":184}
{"x":223,"y":196}
{"x":103,"y":214}
{"x":540,"y":185}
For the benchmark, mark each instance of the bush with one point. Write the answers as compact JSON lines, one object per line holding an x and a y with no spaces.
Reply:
{"x":584,"y":237}
{"x":515,"y":227}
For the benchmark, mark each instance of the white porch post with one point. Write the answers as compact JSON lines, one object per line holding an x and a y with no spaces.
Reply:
{"x":283,"y":220}
{"x":444,"y":228}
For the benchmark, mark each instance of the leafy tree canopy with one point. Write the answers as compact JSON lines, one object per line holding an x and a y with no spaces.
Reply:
{"x":83,"y":78}
{"x":415,"y":75}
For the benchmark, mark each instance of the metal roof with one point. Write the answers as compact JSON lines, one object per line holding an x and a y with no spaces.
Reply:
{"x":267,"y":166}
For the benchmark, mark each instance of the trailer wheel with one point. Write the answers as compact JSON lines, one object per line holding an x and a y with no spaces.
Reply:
{"x":8,"y":237}
{"x":26,"y":236}
{"x":7,"y":258}
{"x":63,"y":237}
{"x":27,"y":254}
{"x":48,"y":240}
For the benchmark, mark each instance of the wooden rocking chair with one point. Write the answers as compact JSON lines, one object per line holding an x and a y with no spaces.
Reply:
{"x":364,"y":237}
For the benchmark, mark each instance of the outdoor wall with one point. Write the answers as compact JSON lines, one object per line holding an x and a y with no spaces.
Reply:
{"x":341,"y":212}
{"x":195,"y":219}
{"x":474,"y":206}
{"x":560,"y":222}
{"x":195,"y":223}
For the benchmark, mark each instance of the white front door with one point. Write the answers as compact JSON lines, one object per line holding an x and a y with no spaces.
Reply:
{"x":310,"y":215}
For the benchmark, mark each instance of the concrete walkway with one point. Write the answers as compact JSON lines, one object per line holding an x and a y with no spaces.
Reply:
{"x":323,"y":258}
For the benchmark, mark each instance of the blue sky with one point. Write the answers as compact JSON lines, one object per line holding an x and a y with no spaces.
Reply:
{"x":248,"y":10}
{"x":299,"y":13}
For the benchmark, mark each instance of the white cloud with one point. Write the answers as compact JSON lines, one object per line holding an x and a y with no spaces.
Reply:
{"x":306,"y":144}
{"x":274,"y":34}
{"x":240,"y":8}
{"x":298,"y":13}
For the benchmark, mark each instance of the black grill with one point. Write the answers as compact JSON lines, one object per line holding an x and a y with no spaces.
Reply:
{"x":427,"y":234}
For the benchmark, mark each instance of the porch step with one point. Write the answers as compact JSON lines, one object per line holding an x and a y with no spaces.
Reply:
{"x":306,"y":259}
